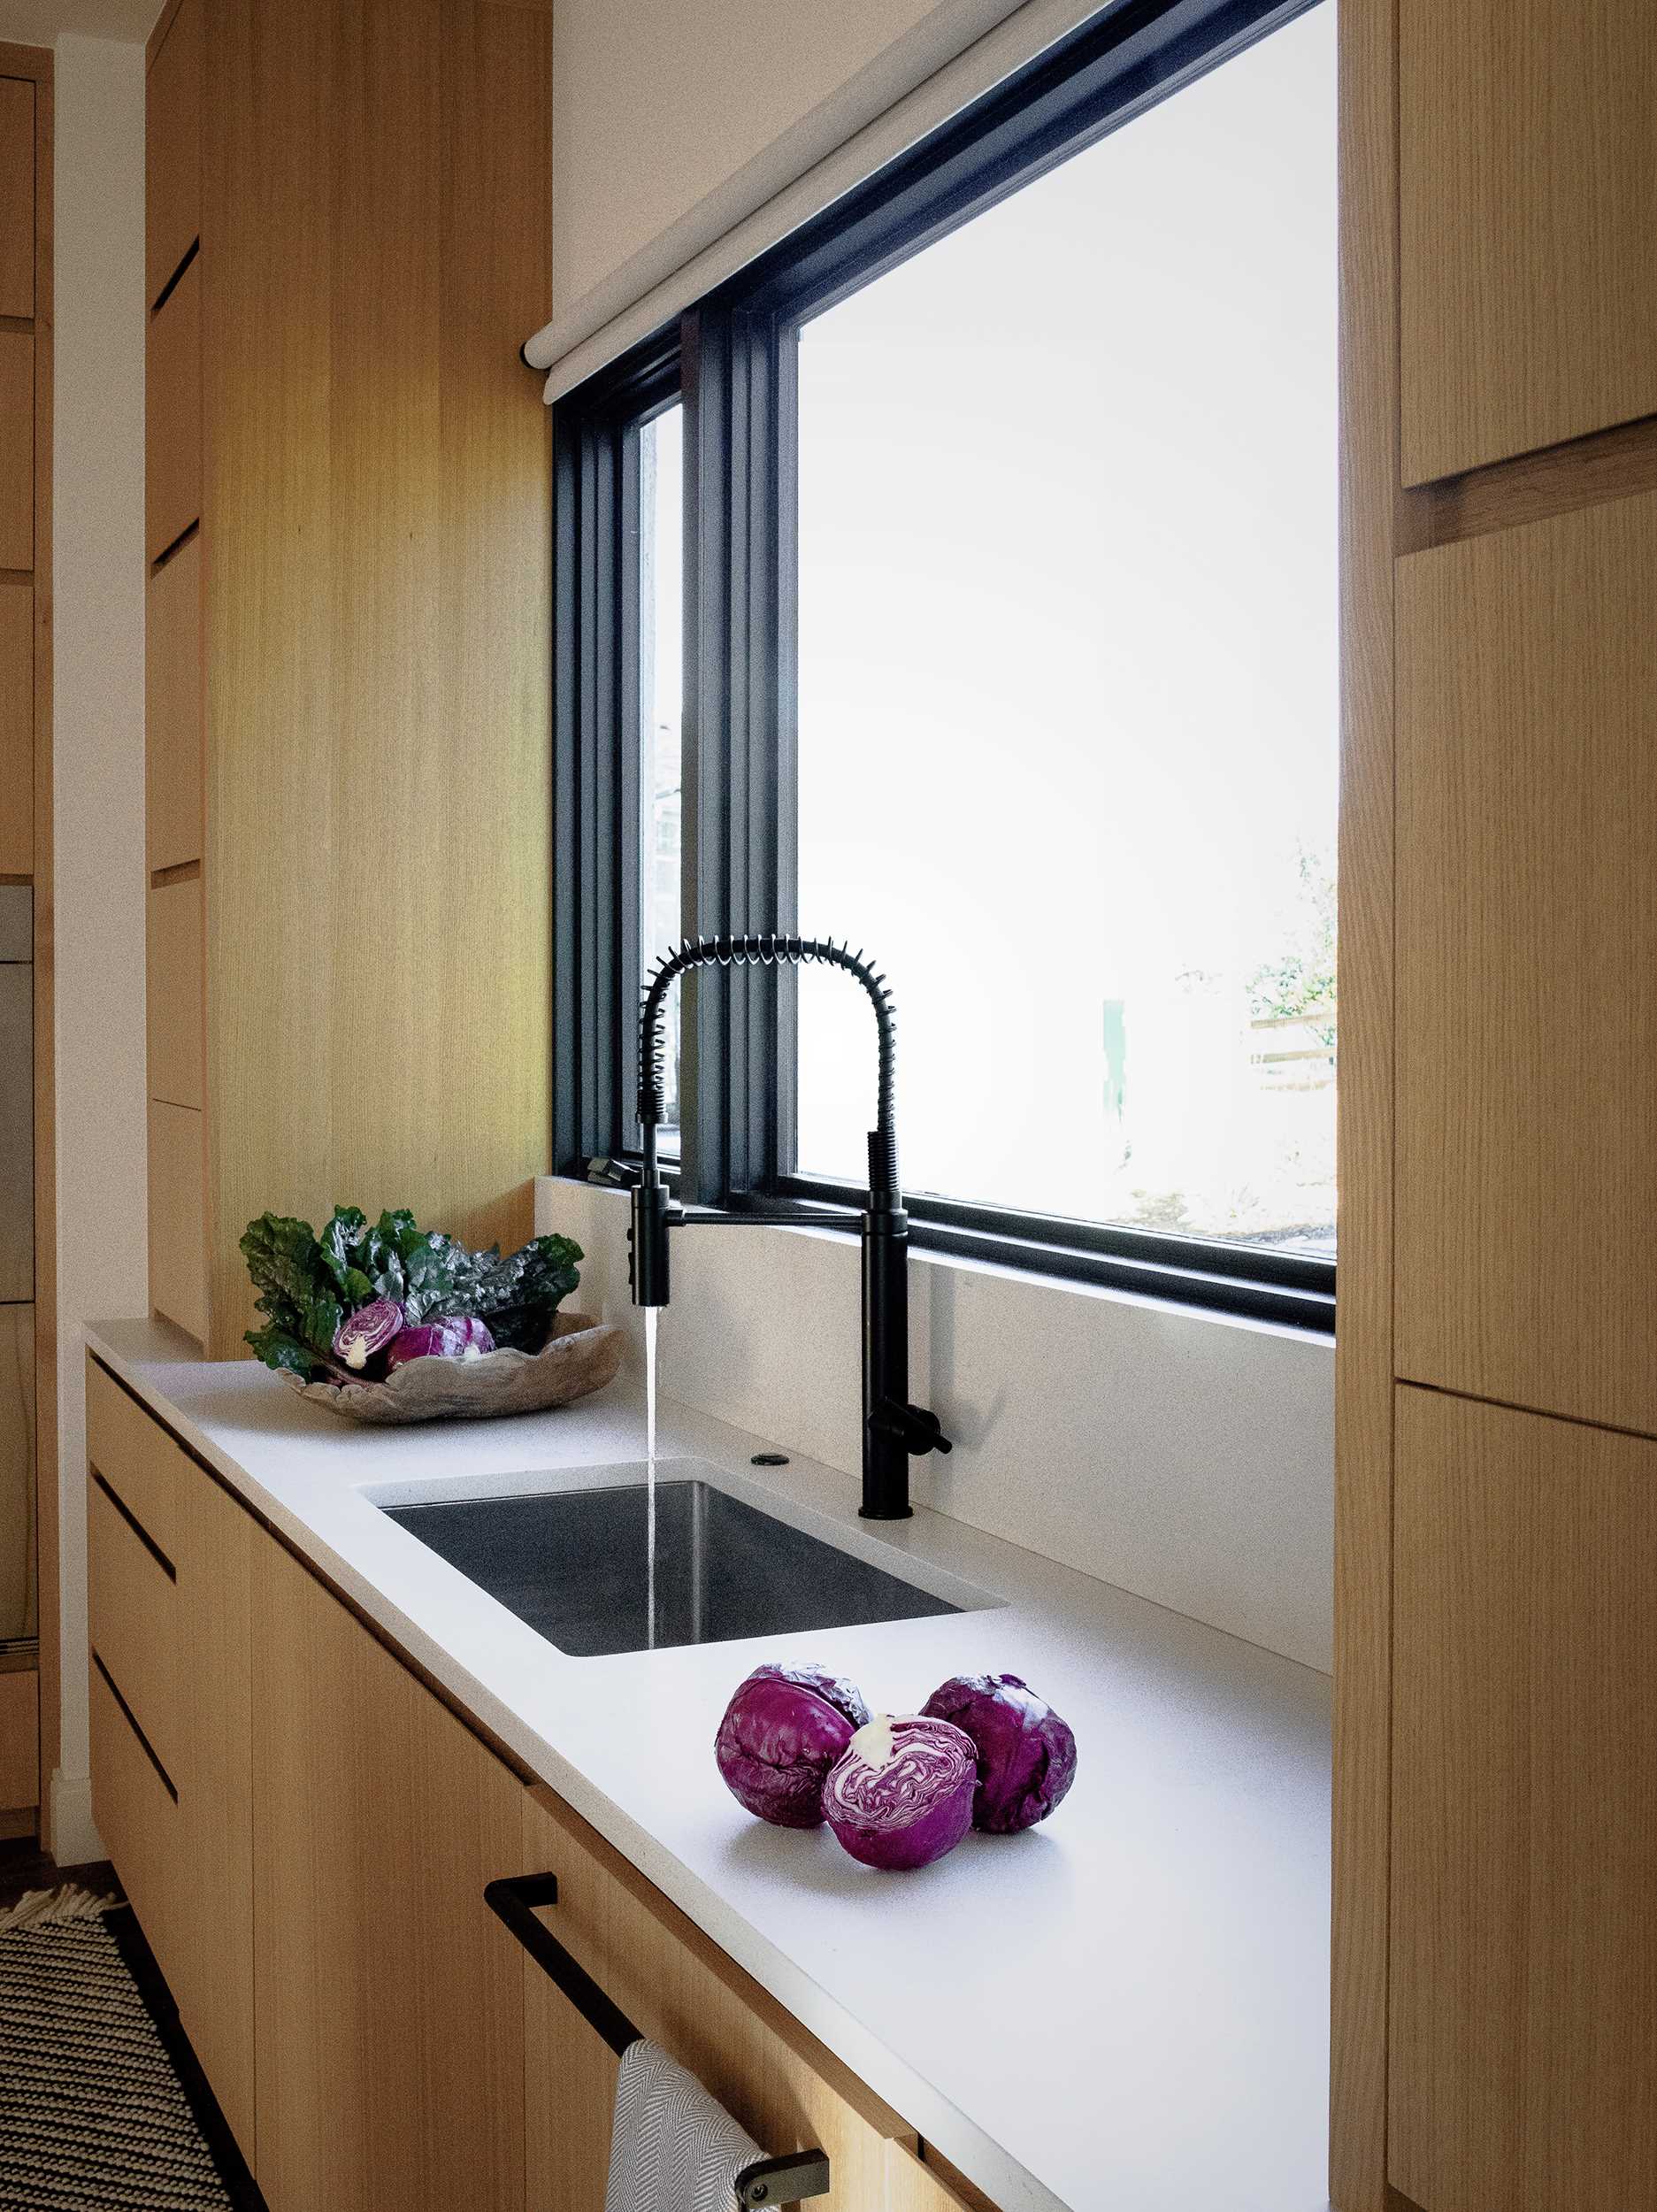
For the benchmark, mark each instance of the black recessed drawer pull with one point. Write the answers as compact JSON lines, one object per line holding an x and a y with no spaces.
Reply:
{"x":515,"y":1900}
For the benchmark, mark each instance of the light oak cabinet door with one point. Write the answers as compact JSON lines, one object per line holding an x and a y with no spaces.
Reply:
{"x":1527,"y":965}
{"x":16,"y":197}
{"x":172,"y":710}
{"x":211,"y":1973}
{"x":17,"y":728}
{"x":172,"y":415}
{"x":178,"y":1237}
{"x":1524,"y":2066}
{"x":172,"y":149}
{"x":175,"y":1010}
{"x":681,"y":1989}
{"x":388,"y":1999}
{"x":17,"y":448}
{"x":1527,"y":210}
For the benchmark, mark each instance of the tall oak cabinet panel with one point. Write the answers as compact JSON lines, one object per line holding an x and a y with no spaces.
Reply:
{"x":1495,"y":1977}
{"x":29,"y":1659}
{"x":348,"y":721}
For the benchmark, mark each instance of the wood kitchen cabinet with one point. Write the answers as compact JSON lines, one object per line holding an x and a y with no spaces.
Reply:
{"x":305,"y":1831}
{"x":349,"y":491}
{"x":389,"y":2022}
{"x":169,"y":1567}
{"x":1495,"y":1951}
{"x":1528,"y":202}
{"x":1527,"y":965}
{"x":1524,"y":1847}
{"x":679,"y":1989}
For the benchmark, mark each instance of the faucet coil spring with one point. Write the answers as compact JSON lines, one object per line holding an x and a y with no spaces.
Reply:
{"x":770,"y":950}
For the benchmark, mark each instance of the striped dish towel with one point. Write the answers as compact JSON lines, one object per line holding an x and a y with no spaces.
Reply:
{"x":671,"y":2147}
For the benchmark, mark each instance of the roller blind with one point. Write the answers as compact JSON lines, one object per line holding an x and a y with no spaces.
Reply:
{"x":955,"y":54}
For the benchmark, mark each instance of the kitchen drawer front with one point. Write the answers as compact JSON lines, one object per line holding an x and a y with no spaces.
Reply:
{"x":137,"y":1816}
{"x":134,"y":1602}
{"x":172,"y":149}
{"x":176,"y":1045}
{"x":681,"y":1989}
{"x":173,"y":420}
{"x":136,"y":1457}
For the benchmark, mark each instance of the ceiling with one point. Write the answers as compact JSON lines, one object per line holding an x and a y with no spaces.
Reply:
{"x":38,"y":22}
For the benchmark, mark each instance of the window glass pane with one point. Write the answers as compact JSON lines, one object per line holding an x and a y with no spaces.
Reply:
{"x":1068,"y":708}
{"x":661,"y":690}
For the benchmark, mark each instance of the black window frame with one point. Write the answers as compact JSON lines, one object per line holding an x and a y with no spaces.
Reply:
{"x":731,"y":361}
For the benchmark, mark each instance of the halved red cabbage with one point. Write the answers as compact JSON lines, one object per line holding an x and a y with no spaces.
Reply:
{"x":1026,"y":1754}
{"x":901,"y":1793}
{"x":367,"y":1330}
{"x":782,"y":1731}
{"x":450,"y":1336}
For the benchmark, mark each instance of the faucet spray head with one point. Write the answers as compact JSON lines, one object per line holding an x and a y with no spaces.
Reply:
{"x":648,"y":1244}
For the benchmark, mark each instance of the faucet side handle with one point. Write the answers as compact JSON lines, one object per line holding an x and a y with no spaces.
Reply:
{"x":917,"y":1430}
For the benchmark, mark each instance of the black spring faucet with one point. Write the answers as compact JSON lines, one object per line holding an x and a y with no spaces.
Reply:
{"x":892,"y":1428}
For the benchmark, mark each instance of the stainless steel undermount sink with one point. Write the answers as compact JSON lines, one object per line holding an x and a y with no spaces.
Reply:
{"x":573,"y":1563}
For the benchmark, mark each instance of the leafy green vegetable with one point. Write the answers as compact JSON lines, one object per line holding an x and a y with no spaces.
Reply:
{"x":296,"y":1295}
{"x":518,"y":1296}
{"x":309,"y":1283}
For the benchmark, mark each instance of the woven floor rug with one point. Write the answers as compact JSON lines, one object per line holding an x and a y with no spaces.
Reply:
{"x":92,"y":2116}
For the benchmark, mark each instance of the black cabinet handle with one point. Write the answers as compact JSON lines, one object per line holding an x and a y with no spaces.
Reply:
{"x":515,"y":1900}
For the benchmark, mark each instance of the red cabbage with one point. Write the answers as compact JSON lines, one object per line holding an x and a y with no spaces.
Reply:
{"x":1026,"y":1754}
{"x":367,"y":1330}
{"x":452,"y":1336}
{"x":901,"y":1794}
{"x":783,"y":1729}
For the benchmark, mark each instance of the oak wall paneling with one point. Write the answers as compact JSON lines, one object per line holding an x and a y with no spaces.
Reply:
{"x":372,"y":571}
{"x":1524,"y":1945}
{"x":1527,"y":965}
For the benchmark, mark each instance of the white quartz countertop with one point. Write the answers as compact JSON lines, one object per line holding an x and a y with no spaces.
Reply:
{"x":1124,"y":2010}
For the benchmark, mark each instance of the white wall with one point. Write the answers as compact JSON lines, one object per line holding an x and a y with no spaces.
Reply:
{"x":98,"y":726}
{"x":1186,"y":1456}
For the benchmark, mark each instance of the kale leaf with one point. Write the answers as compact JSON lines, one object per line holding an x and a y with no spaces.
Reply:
{"x":519,"y":1295}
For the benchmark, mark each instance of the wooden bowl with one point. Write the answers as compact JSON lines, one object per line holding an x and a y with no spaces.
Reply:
{"x":581,"y":1357}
